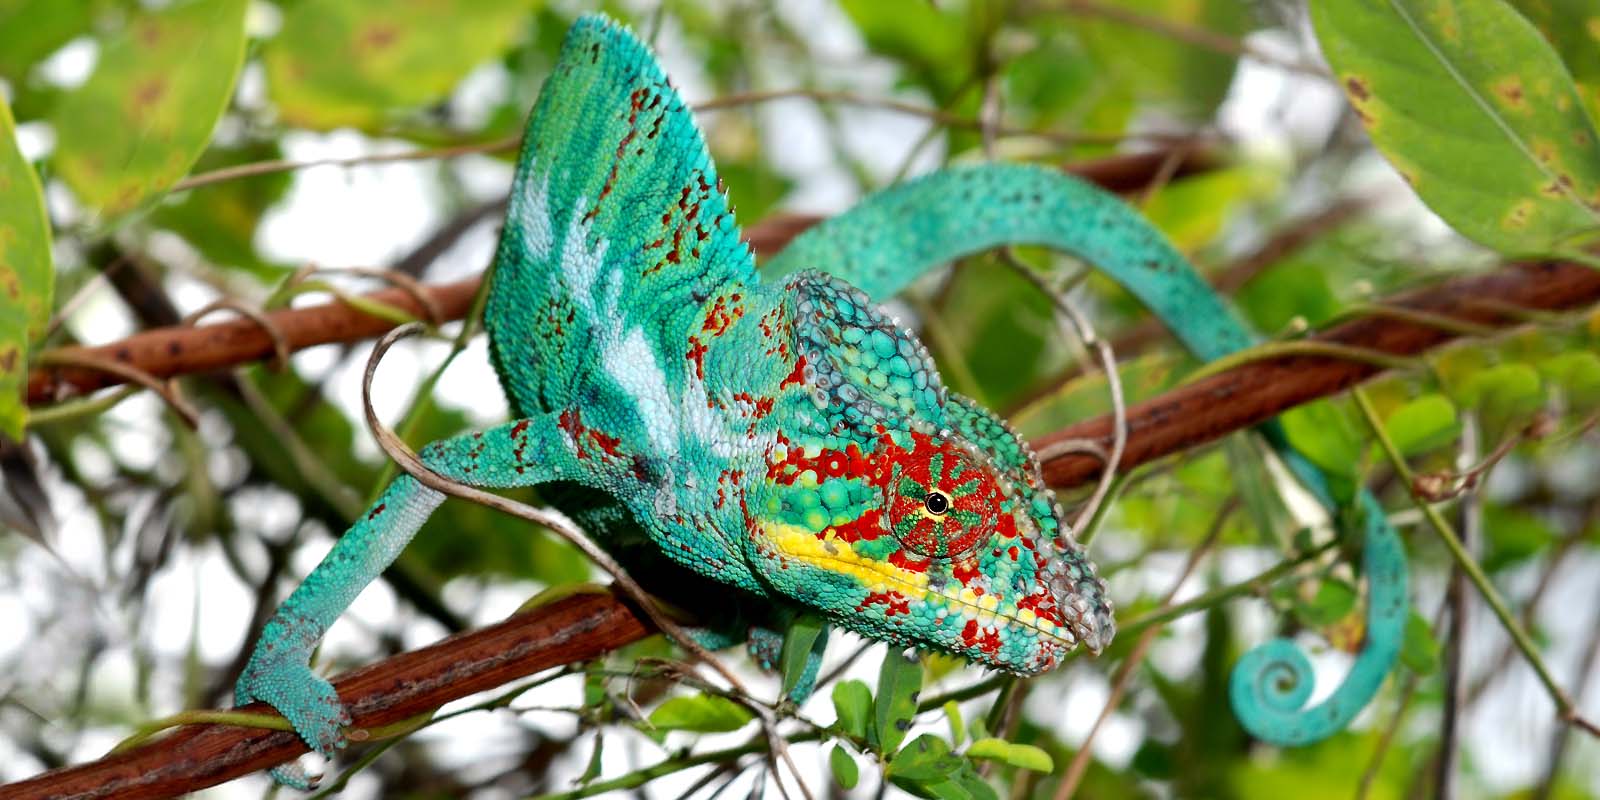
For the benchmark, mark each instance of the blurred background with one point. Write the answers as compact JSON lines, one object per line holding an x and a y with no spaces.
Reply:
{"x":142,"y":552}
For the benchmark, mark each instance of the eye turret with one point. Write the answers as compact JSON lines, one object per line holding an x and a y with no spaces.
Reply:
{"x":942,"y":503}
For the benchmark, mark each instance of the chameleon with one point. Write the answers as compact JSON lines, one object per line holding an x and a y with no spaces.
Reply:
{"x":769,"y":444}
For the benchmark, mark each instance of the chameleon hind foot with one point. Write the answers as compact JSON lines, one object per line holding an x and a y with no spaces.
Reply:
{"x":310,"y":704}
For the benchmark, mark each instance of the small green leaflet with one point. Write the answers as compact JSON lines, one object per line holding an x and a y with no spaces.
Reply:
{"x":798,"y":644}
{"x":845,"y":771}
{"x":1021,"y":756}
{"x":899,"y":681}
{"x":704,"y":713}
{"x":852,"y":702}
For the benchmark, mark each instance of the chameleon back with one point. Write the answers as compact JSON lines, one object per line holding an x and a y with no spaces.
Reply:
{"x":641,"y":176}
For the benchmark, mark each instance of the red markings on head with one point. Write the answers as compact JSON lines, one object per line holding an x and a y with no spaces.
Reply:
{"x":796,"y":376}
{"x":846,"y":463}
{"x":986,"y":640}
{"x":1042,"y":604}
{"x":892,"y":601}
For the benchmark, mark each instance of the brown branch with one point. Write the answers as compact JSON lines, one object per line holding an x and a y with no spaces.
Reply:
{"x":1256,"y":391}
{"x":585,"y":626}
{"x":166,"y":352}
{"x":573,"y":629}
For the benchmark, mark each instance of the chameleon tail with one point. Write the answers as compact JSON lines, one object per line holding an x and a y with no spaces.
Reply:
{"x":895,"y":235}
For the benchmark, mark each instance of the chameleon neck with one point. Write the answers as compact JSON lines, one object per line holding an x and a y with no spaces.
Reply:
{"x":894,"y":236}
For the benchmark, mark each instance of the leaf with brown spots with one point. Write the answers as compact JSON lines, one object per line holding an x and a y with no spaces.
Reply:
{"x":1573,"y":28}
{"x":1472,"y":106}
{"x":145,"y":115}
{"x":26,"y":277}
{"x":356,"y":63}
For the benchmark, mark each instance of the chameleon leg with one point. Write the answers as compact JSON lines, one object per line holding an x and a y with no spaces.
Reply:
{"x":521,"y":453}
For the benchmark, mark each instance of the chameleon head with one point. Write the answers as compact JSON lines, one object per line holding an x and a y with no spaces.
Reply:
{"x":908,"y":512}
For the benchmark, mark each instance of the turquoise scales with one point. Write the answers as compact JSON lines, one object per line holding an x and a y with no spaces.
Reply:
{"x":783,"y":439}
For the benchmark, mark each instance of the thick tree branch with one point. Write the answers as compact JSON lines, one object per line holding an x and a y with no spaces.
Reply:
{"x":1256,"y":391}
{"x":576,"y":628}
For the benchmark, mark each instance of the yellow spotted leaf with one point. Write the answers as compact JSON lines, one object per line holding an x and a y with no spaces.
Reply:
{"x":356,"y":62}
{"x":147,"y":112}
{"x":1573,"y":28}
{"x":26,"y":277}
{"x":1475,"y":109}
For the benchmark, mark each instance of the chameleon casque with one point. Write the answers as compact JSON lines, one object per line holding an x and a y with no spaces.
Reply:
{"x":777,"y":443}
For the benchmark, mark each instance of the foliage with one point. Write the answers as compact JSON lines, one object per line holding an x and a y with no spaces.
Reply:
{"x":123,"y":119}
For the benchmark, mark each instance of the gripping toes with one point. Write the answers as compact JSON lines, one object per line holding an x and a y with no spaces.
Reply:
{"x":304,"y":698}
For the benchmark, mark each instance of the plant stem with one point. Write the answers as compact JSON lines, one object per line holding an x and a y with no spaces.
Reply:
{"x":1470,"y":566}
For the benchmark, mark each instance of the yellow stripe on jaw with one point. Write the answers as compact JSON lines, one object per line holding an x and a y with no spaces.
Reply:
{"x":834,"y":554}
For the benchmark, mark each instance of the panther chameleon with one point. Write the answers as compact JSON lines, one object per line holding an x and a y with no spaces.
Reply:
{"x":776,"y":442}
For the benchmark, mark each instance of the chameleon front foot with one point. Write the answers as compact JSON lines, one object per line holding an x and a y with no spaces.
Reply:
{"x":310,"y":704}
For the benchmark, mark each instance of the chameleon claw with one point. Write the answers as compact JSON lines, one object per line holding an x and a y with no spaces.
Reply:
{"x":295,"y":777}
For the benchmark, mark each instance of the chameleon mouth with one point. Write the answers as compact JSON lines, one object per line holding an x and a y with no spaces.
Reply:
{"x":835,"y":555}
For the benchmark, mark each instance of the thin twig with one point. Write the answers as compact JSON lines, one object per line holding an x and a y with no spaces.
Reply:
{"x":1108,"y":364}
{"x":1119,"y":684}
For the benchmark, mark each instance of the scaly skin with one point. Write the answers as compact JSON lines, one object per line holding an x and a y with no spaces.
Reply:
{"x":783,"y":439}
{"x":895,"y":235}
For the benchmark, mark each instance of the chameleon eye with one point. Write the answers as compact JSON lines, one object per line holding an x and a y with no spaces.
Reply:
{"x":941,"y":507}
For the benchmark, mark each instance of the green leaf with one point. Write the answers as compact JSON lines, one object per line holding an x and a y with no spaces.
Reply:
{"x":356,"y":62}
{"x":146,"y":113}
{"x":1420,"y":651}
{"x":899,"y":681}
{"x":927,"y":768}
{"x":703,"y":713}
{"x":1578,"y":375}
{"x":1333,"y":600}
{"x":1193,"y":211}
{"x":1505,"y":395}
{"x":798,"y":643}
{"x":1514,"y":535}
{"x":26,"y":277}
{"x":1297,"y":288}
{"x":1423,"y":424}
{"x":1158,"y":67}
{"x":924,"y":758}
{"x":1573,"y":28}
{"x":1475,"y":110}
{"x":1021,"y":756}
{"x":33,"y":29}
{"x":952,"y":714}
{"x":852,"y":703}
{"x":845,"y":771}
{"x":932,"y":43}
{"x":1324,"y":433}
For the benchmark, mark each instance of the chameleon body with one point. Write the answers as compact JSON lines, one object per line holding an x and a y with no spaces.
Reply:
{"x":775,"y":444}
